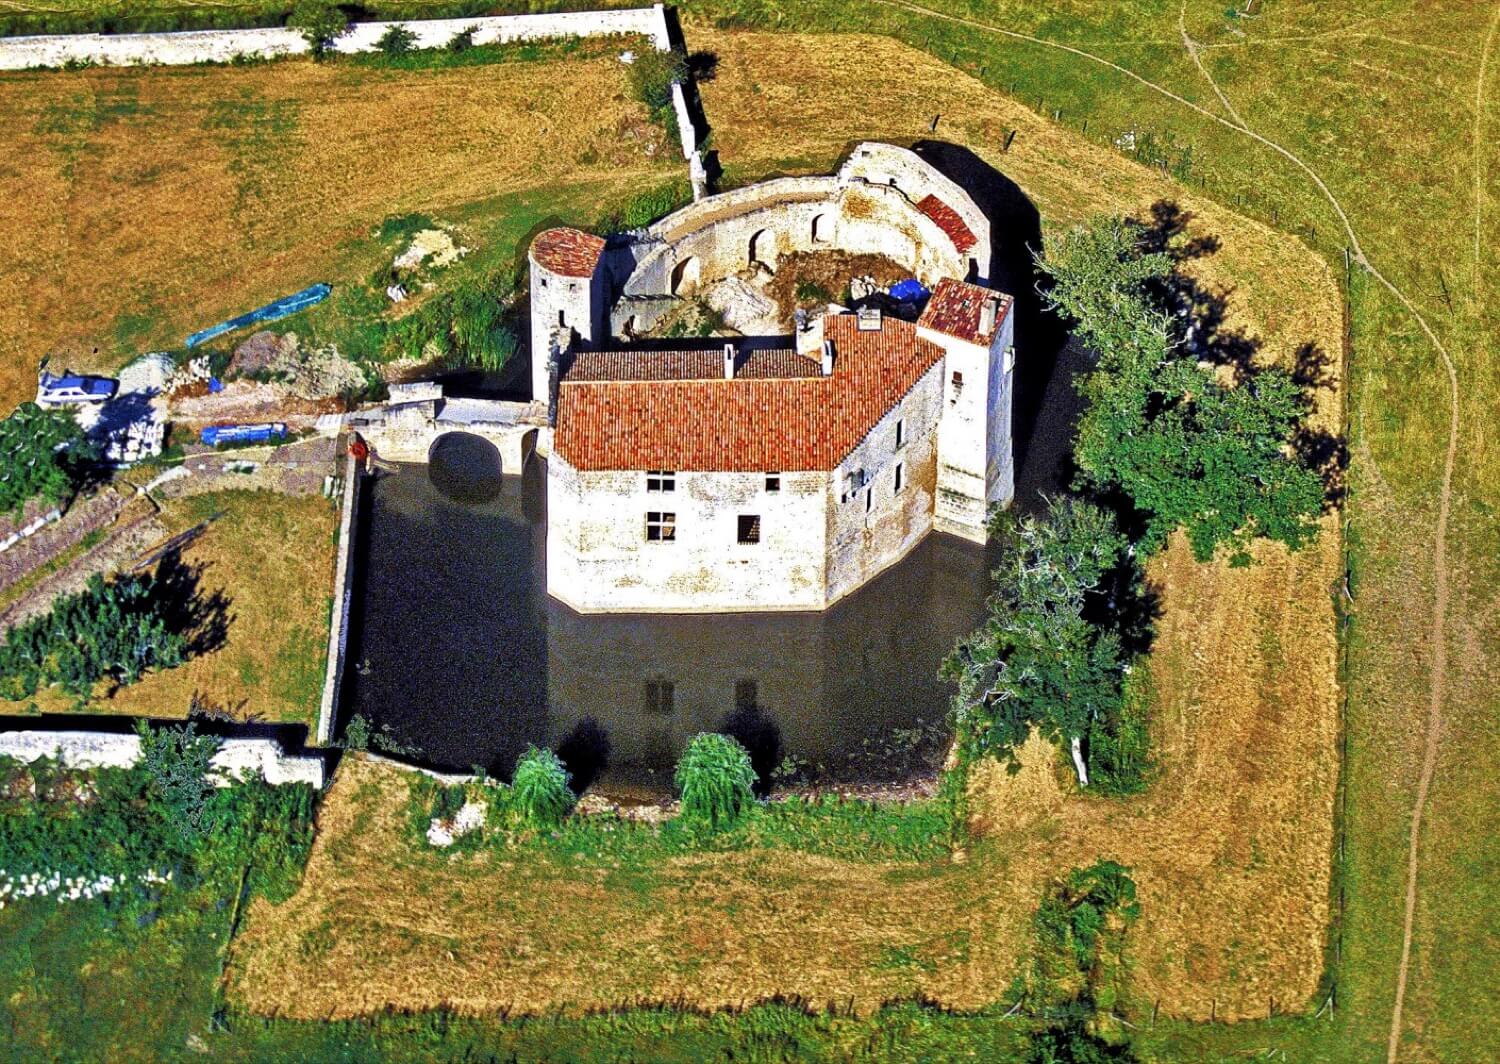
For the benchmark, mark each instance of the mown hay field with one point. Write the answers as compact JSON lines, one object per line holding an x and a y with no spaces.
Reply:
{"x":1231,"y":847}
{"x":268,"y":559}
{"x":137,"y":206}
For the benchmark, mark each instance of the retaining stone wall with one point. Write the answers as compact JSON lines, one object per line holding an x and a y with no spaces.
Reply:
{"x":235,"y":757}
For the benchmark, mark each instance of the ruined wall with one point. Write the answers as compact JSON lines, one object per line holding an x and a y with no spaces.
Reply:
{"x":221,"y":46}
{"x":598,"y":556}
{"x":235,"y":758}
{"x":874,"y":525}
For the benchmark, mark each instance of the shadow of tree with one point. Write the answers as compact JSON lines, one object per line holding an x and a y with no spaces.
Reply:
{"x":584,"y":751}
{"x":202,"y":618}
{"x":1206,"y":334}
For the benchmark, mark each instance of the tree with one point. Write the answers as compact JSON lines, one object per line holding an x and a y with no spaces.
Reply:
{"x":1040,"y":661}
{"x":43,"y":454}
{"x":1187,"y":449}
{"x":396,"y":40}
{"x":540,"y":788}
{"x":320,"y":23}
{"x":715,"y":780}
{"x":177,"y":761}
{"x":1073,"y":987}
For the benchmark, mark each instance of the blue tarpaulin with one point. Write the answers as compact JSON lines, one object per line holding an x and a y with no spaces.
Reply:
{"x":270,"y":312}
{"x":910,"y":290}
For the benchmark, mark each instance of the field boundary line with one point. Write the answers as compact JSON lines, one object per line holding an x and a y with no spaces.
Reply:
{"x":1438,"y":684}
{"x":1479,"y":162}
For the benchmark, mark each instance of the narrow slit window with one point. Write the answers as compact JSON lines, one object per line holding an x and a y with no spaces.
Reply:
{"x":900,"y":433}
{"x":869,"y":499}
{"x":900,"y":469}
{"x":661,"y":527}
{"x":661,"y":480}
{"x":749,"y":528}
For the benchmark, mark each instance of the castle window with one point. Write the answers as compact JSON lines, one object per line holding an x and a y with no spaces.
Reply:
{"x":773,"y":483}
{"x":900,"y":469}
{"x":659,"y":696}
{"x":869,"y":499}
{"x":661,"y":527}
{"x":749,"y":528}
{"x":900,"y":433}
{"x":958,"y":385}
{"x":661,"y":480}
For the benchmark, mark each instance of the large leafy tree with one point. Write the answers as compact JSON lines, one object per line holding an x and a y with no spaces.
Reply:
{"x":1040,"y":661}
{"x":1188,"y":449}
{"x":43,"y":453}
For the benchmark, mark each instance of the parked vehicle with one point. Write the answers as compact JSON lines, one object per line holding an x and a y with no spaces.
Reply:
{"x":71,"y":389}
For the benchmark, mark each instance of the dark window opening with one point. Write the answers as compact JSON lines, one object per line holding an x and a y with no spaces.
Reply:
{"x":773,"y":482}
{"x":869,"y":499}
{"x":659,"y":696}
{"x":749,"y":528}
{"x":661,"y":480}
{"x":900,"y":433}
{"x":661,"y":527}
{"x":899,"y":471}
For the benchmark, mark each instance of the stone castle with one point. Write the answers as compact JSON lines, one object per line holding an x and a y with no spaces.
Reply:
{"x":769,"y":472}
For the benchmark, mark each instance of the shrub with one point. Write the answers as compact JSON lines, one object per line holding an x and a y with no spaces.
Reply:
{"x":466,"y":326}
{"x":651,"y":78}
{"x":176,"y":760}
{"x":461,"y":41}
{"x":118,"y":630}
{"x":540,"y":789}
{"x":397,"y":40}
{"x":715,"y":780}
{"x":320,"y":23}
{"x":43,"y":453}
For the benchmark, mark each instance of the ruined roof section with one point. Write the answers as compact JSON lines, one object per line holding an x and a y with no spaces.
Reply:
{"x":687,"y":365}
{"x":748,"y":424}
{"x":948,"y":221}
{"x":569,"y":252}
{"x":956,"y":308}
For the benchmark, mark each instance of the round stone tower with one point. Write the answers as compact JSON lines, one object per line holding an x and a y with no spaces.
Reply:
{"x":567,"y":299}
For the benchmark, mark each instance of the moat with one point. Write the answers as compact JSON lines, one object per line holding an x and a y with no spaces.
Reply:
{"x":458,"y":655}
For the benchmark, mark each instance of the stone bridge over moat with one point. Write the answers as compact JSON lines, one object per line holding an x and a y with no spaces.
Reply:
{"x":407,"y":429}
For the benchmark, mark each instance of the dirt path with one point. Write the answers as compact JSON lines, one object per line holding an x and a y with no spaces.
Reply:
{"x":1192,"y":51}
{"x":1438,"y":684}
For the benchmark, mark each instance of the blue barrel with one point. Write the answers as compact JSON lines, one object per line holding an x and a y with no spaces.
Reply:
{"x":263,"y":432}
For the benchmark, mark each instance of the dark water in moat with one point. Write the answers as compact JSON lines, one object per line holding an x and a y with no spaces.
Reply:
{"x":457,"y":648}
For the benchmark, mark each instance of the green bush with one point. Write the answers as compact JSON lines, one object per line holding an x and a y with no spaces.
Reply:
{"x":397,"y":40}
{"x":539,"y":789}
{"x":176,"y":761}
{"x":461,"y":41}
{"x":320,"y":23}
{"x":468,"y":325}
{"x":651,"y":78}
{"x":43,"y":453}
{"x":715,"y":781}
{"x":118,"y":630}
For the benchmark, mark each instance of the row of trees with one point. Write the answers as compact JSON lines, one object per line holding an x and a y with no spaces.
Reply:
{"x":43,"y":454}
{"x":118,"y":630}
{"x":1174,"y":445}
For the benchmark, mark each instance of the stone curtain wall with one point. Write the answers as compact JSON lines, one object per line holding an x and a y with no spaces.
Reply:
{"x":221,"y":46}
{"x":235,"y":757}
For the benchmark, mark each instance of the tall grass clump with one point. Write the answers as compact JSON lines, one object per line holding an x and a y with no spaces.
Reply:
{"x":539,"y":789}
{"x":651,"y":78}
{"x":715,"y":781}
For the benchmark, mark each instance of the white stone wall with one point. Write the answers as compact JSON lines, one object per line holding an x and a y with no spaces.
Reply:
{"x":598,"y":557}
{"x":561,"y":303}
{"x":873,"y":526}
{"x":236,"y":758}
{"x":974,"y":436}
{"x":219,"y":46}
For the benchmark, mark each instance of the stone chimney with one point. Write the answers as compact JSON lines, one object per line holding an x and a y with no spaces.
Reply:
{"x":987,"y":315}
{"x":868,"y":319}
{"x":827,"y":358}
{"x":729,"y":362}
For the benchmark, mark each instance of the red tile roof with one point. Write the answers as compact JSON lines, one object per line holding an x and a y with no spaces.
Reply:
{"x":687,"y":365}
{"x":955,"y":309}
{"x":745,"y":424}
{"x":948,"y":221}
{"x":569,"y":252}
